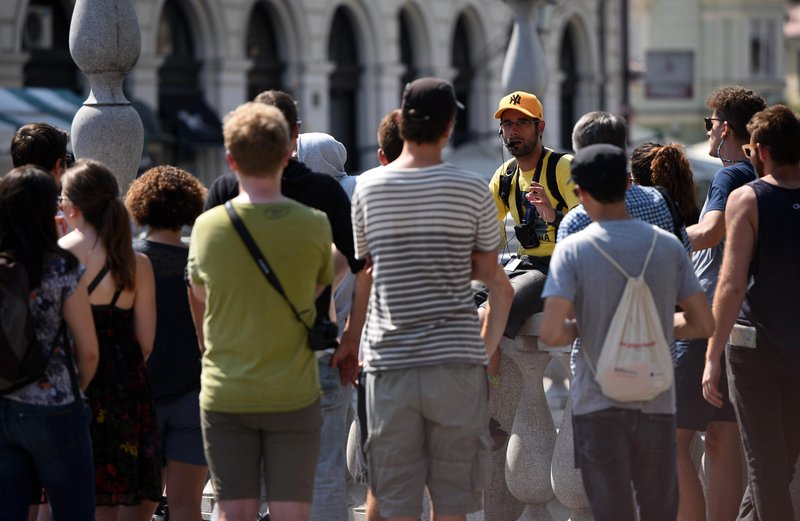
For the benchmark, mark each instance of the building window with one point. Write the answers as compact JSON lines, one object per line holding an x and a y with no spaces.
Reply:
{"x":763,"y":47}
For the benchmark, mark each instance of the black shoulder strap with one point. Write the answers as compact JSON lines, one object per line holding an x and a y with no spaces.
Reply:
{"x":97,"y":278}
{"x":552,"y":181}
{"x":252,"y":247}
{"x":507,"y":180}
{"x":677,"y":220}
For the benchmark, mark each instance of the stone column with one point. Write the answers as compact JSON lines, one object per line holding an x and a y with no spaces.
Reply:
{"x":567,"y":481}
{"x":105,"y":42}
{"x":533,"y":436}
{"x":525,"y":64}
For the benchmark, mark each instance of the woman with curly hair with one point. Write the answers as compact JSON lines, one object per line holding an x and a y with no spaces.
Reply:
{"x":127,"y":456}
{"x":44,"y":425}
{"x":654,"y":164}
{"x":164,"y":200}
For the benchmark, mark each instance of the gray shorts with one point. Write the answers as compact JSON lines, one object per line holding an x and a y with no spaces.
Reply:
{"x":428,"y":425}
{"x":179,"y":427}
{"x":284,"y":446}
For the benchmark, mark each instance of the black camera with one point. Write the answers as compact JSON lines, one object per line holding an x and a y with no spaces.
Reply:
{"x":526,"y":235}
{"x":323,"y":334}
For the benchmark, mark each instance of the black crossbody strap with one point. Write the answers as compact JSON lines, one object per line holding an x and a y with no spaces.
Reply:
{"x":262,"y":263}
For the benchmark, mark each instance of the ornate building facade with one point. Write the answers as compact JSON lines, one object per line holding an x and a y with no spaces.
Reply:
{"x":345,"y":61}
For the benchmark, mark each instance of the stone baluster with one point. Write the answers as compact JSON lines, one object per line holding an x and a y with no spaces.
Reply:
{"x":525,"y":63}
{"x":105,"y":42}
{"x":566,"y":479}
{"x":533,"y":436}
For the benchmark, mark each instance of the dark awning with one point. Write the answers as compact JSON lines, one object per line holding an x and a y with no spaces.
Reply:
{"x":192,"y":122}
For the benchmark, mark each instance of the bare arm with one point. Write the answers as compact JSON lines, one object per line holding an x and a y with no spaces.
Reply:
{"x":708,"y":232}
{"x":144,"y":305}
{"x":78,"y":316}
{"x":197,"y":306}
{"x":695,"y":321}
{"x":742,"y":224}
{"x":346,"y":355}
{"x":558,"y":329}
{"x":486,"y":269}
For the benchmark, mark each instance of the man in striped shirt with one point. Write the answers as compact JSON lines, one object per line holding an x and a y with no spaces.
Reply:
{"x":427,"y":228}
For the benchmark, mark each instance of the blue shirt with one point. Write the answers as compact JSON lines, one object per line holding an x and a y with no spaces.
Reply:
{"x":643,"y":202}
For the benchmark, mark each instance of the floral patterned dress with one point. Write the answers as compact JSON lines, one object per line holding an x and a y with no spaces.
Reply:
{"x":124,"y":429}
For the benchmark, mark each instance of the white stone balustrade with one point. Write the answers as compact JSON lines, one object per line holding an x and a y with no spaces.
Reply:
{"x":105,"y":42}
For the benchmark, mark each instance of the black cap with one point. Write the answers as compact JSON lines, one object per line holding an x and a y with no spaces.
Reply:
{"x":428,"y":99}
{"x":597,"y":165}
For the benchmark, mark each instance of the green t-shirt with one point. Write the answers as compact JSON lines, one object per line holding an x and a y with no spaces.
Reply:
{"x":257,"y":356}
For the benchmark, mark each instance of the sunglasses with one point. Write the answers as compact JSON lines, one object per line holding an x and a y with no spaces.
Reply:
{"x":749,"y":150}
{"x":709,"y":122}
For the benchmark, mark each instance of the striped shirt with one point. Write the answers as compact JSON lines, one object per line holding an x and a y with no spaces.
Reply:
{"x":420,"y":226}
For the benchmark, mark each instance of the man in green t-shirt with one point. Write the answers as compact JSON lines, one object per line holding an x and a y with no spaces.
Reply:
{"x":260,"y":393}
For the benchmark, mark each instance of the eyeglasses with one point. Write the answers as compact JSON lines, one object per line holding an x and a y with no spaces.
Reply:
{"x":749,"y":150}
{"x":709,"y":124}
{"x":520,"y":123}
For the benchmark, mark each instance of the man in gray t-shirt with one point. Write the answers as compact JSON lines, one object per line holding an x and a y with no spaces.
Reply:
{"x":619,"y":443}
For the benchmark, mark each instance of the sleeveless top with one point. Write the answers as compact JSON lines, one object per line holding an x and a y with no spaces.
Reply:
{"x":770,"y":303}
{"x":125,"y":438}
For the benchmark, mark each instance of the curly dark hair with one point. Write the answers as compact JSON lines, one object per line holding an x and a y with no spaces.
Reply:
{"x":667,"y":166}
{"x":736,"y":105}
{"x":166,"y":198}
{"x":778,"y":128}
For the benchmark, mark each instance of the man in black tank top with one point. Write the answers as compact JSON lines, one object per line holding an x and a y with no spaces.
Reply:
{"x":759,"y":273}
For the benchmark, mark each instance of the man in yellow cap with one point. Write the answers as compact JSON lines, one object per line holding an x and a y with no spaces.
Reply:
{"x":536,"y":189}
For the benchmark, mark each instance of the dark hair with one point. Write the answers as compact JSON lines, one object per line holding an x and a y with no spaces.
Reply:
{"x":611,"y":191}
{"x":39,"y":144}
{"x":428,"y":131}
{"x":670,"y":168}
{"x":736,"y":105}
{"x":778,"y":128}
{"x":283,"y":102}
{"x":28,"y":204}
{"x":599,"y":127}
{"x":93,"y":189}
{"x":165,"y":198}
{"x":389,"y":139}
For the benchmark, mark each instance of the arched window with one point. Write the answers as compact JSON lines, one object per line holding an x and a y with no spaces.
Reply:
{"x":407,"y":56}
{"x":343,"y":52}
{"x":465,"y":73}
{"x":183,"y":111}
{"x":262,"y":48}
{"x":569,"y":87}
{"x":46,"y":38}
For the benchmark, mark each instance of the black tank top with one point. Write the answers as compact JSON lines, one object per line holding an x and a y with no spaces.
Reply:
{"x":771,"y":302}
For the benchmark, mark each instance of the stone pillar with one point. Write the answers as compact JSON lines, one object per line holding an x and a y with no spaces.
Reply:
{"x":567,"y":481}
{"x":105,"y":42}
{"x":525,"y":64}
{"x":533,"y":436}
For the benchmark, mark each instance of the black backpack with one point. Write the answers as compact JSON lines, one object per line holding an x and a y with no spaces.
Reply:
{"x":22,"y":357}
{"x":507,"y":179}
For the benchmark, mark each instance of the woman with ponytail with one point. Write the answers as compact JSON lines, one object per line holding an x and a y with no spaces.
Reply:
{"x":122,"y":294}
{"x":654,"y":164}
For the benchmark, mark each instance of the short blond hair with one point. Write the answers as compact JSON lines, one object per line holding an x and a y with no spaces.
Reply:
{"x":257,"y":137}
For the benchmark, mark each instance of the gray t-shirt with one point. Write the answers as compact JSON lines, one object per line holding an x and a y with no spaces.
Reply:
{"x":578,"y":272}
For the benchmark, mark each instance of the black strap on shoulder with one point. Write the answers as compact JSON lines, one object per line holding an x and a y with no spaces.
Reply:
{"x":677,"y":220}
{"x":507,"y":180}
{"x":97,"y":278}
{"x":252,"y":247}
{"x":552,"y":181}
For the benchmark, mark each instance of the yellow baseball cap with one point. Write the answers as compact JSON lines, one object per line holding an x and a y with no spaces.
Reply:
{"x":524,"y":102}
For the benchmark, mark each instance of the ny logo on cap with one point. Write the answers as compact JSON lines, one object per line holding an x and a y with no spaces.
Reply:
{"x":515,"y":99}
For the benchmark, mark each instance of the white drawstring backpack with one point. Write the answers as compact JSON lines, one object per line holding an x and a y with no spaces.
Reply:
{"x":635,"y":363}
